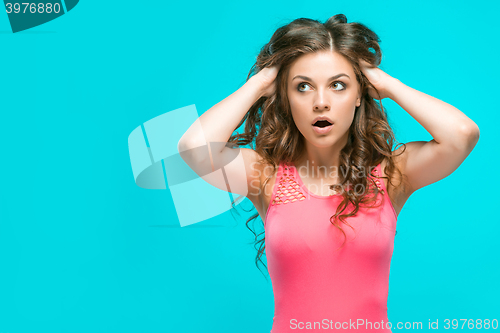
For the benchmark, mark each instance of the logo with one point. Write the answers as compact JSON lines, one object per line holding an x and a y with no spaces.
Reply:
{"x":157,"y":163}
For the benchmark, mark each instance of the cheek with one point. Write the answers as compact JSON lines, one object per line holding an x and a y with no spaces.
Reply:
{"x":345,"y":118}
{"x":297,"y":109}
{"x":346,"y":101}
{"x":294,"y":102}
{"x":297,"y":117}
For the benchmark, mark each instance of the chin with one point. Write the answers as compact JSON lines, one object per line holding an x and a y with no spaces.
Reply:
{"x":328,"y":140}
{"x":322,"y":142}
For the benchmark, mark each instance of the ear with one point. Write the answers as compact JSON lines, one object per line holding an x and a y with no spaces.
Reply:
{"x":358,"y":101}
{"x":360,"y":106}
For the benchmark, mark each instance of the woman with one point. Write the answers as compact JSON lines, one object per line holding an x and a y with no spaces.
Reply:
{"x":323,"y":175}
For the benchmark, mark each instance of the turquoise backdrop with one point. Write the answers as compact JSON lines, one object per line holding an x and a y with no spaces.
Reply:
{"x":83,"y":248}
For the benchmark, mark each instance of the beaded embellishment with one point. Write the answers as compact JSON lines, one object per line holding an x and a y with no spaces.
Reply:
{"x":288,"y":189}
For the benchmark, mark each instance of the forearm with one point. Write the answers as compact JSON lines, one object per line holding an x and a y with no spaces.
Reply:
{"x":443,"y":121}
{"x":218,"y":123}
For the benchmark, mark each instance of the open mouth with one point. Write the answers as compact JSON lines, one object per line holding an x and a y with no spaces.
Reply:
{"x":322,"y":123}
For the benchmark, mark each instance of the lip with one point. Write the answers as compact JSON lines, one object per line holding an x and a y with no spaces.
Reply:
{"x":322,"y":130}
{"x":321,"y":118}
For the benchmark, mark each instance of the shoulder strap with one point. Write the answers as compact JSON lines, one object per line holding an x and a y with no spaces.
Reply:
{"x":279,"y":176}
{"x":379,"y":181}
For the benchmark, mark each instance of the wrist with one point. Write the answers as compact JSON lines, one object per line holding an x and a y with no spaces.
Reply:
{"x":392,"y":87}
{"x":255,"y":86}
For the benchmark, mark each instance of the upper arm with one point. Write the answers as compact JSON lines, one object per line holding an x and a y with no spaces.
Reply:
{"x":235,"y":170}
{"x":424,"y":163}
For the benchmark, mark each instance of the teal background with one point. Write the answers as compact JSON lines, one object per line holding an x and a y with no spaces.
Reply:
{"x":84,"y":249}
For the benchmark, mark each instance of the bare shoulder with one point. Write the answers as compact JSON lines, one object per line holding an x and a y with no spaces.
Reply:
{"x":397,"y":189}
{"x":423,"y":163}
{"x":261,"y":178}
{"x":400,"y":157}
{"x":257,"y":169}
{"x":401,"y":160}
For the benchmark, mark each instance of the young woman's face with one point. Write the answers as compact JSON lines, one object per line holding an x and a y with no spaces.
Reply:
{"x":312,"y":92}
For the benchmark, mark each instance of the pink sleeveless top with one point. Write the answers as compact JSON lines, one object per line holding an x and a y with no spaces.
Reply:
{"x":317,"y":287}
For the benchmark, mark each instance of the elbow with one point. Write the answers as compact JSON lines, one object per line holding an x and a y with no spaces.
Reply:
{"x":185,"y":149}
{"x":192,"y":152}
{"x":470,"y":134}
{"x":181,"y":146}
{"x":185,"y":144}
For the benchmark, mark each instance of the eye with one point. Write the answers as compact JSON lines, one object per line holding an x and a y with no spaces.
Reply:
{"x":307,"y":84}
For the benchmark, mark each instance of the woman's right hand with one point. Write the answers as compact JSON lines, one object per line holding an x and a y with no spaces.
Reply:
{"x":266,"y":79}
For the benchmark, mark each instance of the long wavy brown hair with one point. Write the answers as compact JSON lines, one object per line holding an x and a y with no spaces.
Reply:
{"x":272,"y":133}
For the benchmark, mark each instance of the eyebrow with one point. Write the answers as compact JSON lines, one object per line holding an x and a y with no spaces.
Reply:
{"x":309,"y":79}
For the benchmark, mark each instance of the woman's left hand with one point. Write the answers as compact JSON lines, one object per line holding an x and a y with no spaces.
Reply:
{"x":378,"y":78}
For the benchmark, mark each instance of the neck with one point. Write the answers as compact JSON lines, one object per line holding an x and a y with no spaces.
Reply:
{"x":320,"y":162}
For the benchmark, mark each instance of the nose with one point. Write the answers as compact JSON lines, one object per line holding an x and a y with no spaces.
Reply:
{"x":321,"y":105}
{"x":321,"y":102}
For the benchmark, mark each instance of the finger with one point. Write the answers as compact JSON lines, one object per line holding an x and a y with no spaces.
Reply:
{"x":363,"y":63}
